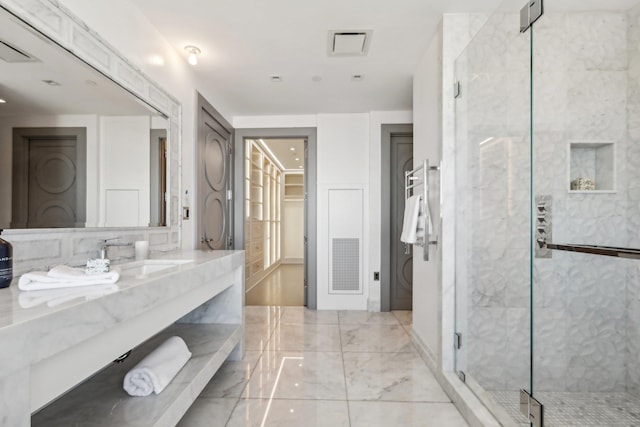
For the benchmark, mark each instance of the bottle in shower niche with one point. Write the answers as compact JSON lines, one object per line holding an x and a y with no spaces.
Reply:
{"x":6,"y":263}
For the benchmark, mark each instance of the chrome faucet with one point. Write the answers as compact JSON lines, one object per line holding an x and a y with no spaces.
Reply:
{"x":106,"y":244}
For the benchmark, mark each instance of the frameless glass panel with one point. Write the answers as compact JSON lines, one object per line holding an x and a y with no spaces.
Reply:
{"x":493,"y":212}
{"x":586,"y":156}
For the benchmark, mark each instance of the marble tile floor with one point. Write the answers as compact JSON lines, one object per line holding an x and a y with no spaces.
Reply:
{"x":282,"y":287}
{"x":569,"y":409}
{"x":324,"y":368}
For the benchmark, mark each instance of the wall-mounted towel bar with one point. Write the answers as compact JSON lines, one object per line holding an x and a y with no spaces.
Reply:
{"x":593,"y":249}
{"x":413,"y":179}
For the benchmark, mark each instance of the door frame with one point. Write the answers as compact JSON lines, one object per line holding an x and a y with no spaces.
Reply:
{"x":388,"y":130}
{"x":204,"y":106}
{"x":311,"y":210}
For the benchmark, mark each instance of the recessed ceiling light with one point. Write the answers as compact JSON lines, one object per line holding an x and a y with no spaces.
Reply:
{"x":297,"y":159}
{"x":275,"y":78}
{"x":292,"y":149}
{"x":2,"y":101}
{"x":357,"y":77}
{"x":300,"y":167}
{"x":51,"y":82}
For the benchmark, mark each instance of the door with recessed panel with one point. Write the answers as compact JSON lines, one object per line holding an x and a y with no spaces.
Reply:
{"x":214,"y":179}
{"x":49,"y":178}
{"x":401,"y":254}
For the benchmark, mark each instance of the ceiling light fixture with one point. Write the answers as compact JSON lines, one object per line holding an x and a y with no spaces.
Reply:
{"x":292,"y":149}
{"x":357,"y":77}
{"x":51,"y":82}
{"x":275,"y":78}
{"x":2,"y":101}
{"x":193,"y":54}
{"x":297,"y":159}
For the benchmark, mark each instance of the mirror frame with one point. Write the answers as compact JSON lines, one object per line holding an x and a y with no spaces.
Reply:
{"x":58,"y":25}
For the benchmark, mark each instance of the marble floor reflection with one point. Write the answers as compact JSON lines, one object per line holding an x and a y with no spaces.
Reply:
{"x":283,"y":287}
{"x":326,"y":368}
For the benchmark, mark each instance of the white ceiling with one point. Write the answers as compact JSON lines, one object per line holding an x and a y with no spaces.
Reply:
{"x":81,"y":90}
{"x":244,"y":42}
{"x":282,"y":150}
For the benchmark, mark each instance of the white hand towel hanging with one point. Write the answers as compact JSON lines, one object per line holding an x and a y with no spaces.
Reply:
{"x":413,"y":226}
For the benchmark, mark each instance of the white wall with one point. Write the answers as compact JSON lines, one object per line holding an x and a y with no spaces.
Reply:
{"x":125,"y":171}
{"x":343,"y":164}
{"x":427,"y":136}
{"x":123,"y":26}
{"x":90,"y":122}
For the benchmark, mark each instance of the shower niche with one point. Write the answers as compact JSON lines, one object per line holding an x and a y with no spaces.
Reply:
{"x":592,"y":167}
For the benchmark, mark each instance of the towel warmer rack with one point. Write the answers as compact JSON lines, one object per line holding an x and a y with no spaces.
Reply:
{"x":419,"y":176}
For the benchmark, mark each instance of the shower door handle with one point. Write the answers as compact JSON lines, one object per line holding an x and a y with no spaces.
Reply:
{"x":631,"y":253}
{"x":407,"y":249}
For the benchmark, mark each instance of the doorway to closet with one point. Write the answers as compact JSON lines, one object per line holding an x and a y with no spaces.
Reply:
{"x":275,"y":223}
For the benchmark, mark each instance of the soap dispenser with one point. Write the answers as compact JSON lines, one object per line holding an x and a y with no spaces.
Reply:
{"x":6,"y":263}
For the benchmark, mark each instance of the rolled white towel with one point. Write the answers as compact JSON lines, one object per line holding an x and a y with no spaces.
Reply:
{"x":158,"y":368}
{"x":63,"y":276}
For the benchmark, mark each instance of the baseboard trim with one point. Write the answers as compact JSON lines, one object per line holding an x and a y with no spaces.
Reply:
{"x":471,"y":408}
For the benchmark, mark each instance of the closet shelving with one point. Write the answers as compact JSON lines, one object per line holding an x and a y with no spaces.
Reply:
{"x":294,"y":185}
{"x":263,"y":201}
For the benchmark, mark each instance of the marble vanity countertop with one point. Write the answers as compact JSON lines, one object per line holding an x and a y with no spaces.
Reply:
{"x":28,"y":335}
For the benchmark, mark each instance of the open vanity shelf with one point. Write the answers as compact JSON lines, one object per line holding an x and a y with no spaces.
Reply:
{"x":56,"y":365}
{"x":101,"y":400}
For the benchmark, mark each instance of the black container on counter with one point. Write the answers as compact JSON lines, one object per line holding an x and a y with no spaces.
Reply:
{"x":6,"y":263}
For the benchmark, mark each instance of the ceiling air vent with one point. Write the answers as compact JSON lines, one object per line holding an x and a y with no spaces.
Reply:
{"x":9,"y":53}
{"x":349,"y":42}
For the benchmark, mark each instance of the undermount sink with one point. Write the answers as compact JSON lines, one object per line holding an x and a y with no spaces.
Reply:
{"x":149,"y":266}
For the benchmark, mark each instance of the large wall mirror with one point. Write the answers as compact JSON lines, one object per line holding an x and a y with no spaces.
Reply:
{"x":77,"y":149}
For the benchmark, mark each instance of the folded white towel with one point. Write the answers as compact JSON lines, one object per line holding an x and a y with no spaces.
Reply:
{"x":54,"y":297}
{"x":157,"y":369}
{"x":63,"y":276}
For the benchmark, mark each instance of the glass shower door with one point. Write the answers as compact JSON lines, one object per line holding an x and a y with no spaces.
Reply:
{"x":493,"y":211}
{"x":586,"y":195}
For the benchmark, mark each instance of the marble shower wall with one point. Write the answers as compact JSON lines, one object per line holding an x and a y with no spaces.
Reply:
{"x":586,"y":319}
{"x":633,"y":199}
{"x":580,"y":95}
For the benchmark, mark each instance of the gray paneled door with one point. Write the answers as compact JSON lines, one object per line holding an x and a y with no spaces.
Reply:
{"x":49,"y":182}
{"x":401,"y":275}
{"x":214,"y":179}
